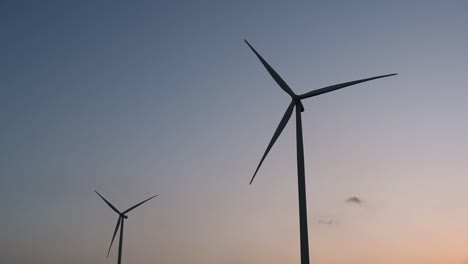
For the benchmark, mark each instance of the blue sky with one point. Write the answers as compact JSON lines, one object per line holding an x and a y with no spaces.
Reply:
{"x":163,"y":97}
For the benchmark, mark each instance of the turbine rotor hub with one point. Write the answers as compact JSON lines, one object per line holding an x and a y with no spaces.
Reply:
{"x":298,"y":103}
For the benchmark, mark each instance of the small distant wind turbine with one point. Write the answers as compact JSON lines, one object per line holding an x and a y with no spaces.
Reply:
{"x":296,"y":102}
{"x":120,"y":223}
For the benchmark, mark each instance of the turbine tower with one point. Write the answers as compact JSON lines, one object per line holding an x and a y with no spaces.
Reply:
{"x":120,"y":224}
{"x":296,"y":102}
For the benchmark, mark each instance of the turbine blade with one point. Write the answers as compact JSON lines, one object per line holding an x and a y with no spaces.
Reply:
{"x":115,"y":232}
{"x":108,"y":203}
{"x":339,"y":86}
{"x":138,"y":204}
{"x":279,"y":129}
{"x":273,"y":73}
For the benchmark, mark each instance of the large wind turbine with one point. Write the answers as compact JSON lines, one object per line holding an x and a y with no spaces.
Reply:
{"x":120,"y":223}
{"x":296,"y":103}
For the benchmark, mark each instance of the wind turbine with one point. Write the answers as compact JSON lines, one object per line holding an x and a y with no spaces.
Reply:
{"x":120,"y":223}
{"x":296,"y":102}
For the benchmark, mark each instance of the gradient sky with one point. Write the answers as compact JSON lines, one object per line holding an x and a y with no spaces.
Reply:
{"x":139,"y":98}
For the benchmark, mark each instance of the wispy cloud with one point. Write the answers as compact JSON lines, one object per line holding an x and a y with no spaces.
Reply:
{"x":354,"y":200}
{"x":326,"y":222}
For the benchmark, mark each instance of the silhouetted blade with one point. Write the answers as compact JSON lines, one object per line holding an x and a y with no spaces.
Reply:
{"x":108,"y":203}
{"x":339,"y":86}
{"x":273,"y":73}
{"x":279,"y":129}
{"x":115,"y":232}
{"x":138,"y":204}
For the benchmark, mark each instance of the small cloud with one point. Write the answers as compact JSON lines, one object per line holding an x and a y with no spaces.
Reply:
{"x":325,"y":222}
{"x":354,"y":200}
